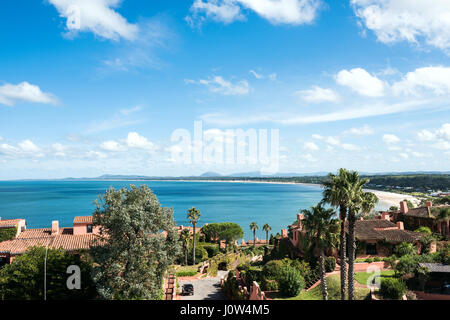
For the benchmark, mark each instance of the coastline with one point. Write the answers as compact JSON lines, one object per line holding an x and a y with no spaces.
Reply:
{"x":385,"y":198}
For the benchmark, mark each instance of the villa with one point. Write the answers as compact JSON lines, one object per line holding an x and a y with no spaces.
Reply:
{"x":81,"y":236}
{"x":375,"y":237}
{"x":426,"y":216}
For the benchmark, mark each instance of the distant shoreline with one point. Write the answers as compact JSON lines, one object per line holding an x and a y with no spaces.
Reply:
{"x":386,"y":199}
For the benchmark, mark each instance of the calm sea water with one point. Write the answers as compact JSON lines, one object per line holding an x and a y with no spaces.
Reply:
{"x":40,"y":202}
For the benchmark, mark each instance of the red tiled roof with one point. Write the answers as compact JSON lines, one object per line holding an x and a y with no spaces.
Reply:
{"x":424,"y":212}
{"x":85,"y":219}
{"x":379,"y":229}
{"x":9,"y":223}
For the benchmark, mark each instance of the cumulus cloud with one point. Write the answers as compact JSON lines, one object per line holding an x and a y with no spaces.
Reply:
{"x":317,"y":95}
{"x":294,"y":12}
{"x":439,"y":137}
{"x":365,"y":130}
{"x":310,"y":146}
{"x":111,"y":145}
{"x":390,"y":139}
{"x":11,"y":94}
{"x":407,"y":20}
{"x":96,"y":16}
{"x":25,"y":148}
{"x":434,"y":79}
{"x":362,"y":82}
{"x":217,"y":84}
{"x":134,"y":140}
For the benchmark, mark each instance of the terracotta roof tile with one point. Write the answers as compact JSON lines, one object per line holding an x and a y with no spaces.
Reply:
{"x":378,"y":229}
{"x":84,"y":219}
{"x":9,"y":223}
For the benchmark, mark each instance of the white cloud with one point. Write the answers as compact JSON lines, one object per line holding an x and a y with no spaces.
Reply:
{"x":357,"y":112}
{"x":365,"y":130}
{"x":310,"y":146}
{"x":390,"y":139}
{"x":362,"y":82}
{"x":219,"y":85}
{"x":260,"y":76}
{"x":11,"y":94}
{"x":134,"y":140}
{"x":96,"y":16}
{"x":295,"y":12}
{"x":318,"y":95}
{"x":28,"y":146}
{"x":308,"y":157}
{"x":350,"y":147}
{"x":407,"y":20}
{"x":440,"y":137}
{"x":59,"y":149}
{"x":111,"y":145}
{"x":435,"y":79}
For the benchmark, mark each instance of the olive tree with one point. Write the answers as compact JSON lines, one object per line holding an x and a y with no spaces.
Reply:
{"x":140,"y":242}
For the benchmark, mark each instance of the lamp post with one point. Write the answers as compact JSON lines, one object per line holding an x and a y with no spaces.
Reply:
{"x":45,"y":270}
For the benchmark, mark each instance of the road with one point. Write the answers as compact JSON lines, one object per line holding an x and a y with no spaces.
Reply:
{"x":206,"y":288}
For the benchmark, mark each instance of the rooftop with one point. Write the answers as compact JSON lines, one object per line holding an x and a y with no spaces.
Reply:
{"x":85,"y":219}
{"x":436,"y":267}
{"x":380,"y":229}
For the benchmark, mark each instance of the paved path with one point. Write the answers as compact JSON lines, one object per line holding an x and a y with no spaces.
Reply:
{"x":205,"y":288}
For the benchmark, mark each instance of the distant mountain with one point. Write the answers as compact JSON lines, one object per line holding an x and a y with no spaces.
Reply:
{"x":210,"y":175}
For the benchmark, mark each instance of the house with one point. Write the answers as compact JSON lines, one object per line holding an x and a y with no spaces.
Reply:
{"x":376,"y":237}
{"x":426,"y":216}
{"x":81,"y":236}
{"x":19,"y":224}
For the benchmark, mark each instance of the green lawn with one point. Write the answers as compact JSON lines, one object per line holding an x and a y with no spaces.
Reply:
{"x":362,"y":277}
{"x":334,"y":291}
{"x":191,"y":269}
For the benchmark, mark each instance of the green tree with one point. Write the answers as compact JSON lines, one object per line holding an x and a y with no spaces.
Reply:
{"x":254,"y":227}
{"x":23,"y":279}
{"x":193,"y":215}
{"x":184,"y":237}
{"x":230,"y":232}
{"x":360,"y":202}
{"x":337,"y":195}
{"x":322,"y":230}
{"x":267,"y":228}
{"x":211,"y":232}
{"x":290,"y":281}
{"x":140,"y":242}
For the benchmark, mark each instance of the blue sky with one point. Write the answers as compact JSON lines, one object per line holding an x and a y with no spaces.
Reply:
{"x":362,"y":84}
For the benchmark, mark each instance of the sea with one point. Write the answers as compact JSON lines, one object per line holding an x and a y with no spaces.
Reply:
{"x":41,"y":202}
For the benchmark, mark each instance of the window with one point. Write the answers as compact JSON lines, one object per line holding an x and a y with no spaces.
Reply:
{"x":371,"y":248}
{"x":89,"y":228}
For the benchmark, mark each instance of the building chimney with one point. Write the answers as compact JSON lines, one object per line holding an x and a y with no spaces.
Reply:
{"x":400,"y":225}
{"x":429,"y":204}
{"x":284,"y":233}
{"x":300,"y":217}
{"x":55,"y":227}
{"x":385,"y":216}
{"x":403,"y":207}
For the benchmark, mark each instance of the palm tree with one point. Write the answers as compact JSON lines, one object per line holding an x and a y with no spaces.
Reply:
{"x":267,"y":228}
{"x":335,"y":193}
{"x":363,"y":202}
{"x":193,"y":216}
{"x":322,"y":232}
{"x":443,"y":216}
{"x":254,"y":227}
{"x":184,"y":237}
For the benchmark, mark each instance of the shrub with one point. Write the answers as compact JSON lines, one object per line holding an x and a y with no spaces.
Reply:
{"x":272,"y":269}
{"x":270,"y":285}
{"x":425,"y":230}
{"x":212,"y":250}
{"x":392,"y":288}
{"x":404,"y":249}
{"x":8,"y":234}
{"x":186,"y":273}
{"x":200,"y":254}
{"x":290,"y":282}
{"x":377,"y":259}
{"x":330,"y":264}
{"x":369,"y":260}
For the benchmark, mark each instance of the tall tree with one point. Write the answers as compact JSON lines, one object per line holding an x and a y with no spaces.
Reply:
{"x":184,"y":237}
{"x":363,"y":202}
{"x":322,"y":232}
{"x":336,"y":194}
{"x":267,"y":228}
{"x":140,"y":242}
{"x":193,"y":215}
{"x":254,"y":227}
